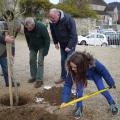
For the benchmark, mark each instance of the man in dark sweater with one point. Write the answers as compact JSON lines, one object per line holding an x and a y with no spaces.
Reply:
{"x":38,"y":42}
{"x":64,"y":34}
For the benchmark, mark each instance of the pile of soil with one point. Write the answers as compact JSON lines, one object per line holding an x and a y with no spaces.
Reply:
{"x":53,"y":95}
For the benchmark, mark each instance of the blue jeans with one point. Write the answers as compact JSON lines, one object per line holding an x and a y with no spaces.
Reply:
{"x":64,"y":56}
{"x":3,"y":63}
{"x":37,"y":64}
{"x":100,"y":86}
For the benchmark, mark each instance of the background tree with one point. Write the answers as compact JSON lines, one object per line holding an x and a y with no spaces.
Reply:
{"x":39,"y":8}
{"x":78,"y":8}
{"x":70,"y":2}
{"x":71,"y":9}
{"x":35,"y":8}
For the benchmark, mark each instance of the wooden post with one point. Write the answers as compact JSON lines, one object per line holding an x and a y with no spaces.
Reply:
{"x":8,"y":47}
{"x":12,"y":80}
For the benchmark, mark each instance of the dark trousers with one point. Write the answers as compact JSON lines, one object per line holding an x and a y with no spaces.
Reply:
{"x":3,"y":63}
{"x":64,"y":56}
{"x":37,"y":64}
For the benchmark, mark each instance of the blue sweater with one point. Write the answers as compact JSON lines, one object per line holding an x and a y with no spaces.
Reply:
{"x":94,"y":73}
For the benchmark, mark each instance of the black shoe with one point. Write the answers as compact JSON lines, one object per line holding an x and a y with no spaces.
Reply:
{"x":31,"y":80}
{"x":59,"y":81}
{"x":18,"y":84}
{"x":7,"y":85}
{"x":38,"y":84}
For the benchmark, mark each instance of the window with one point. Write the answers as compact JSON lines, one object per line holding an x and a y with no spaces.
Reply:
{"x":100,"y":36}
{"x":90,"y":36}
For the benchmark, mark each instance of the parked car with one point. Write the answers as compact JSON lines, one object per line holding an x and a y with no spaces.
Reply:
{"x":109,"y":32}
{"x":106,"y":31}
{"x":82,"y":40}
{"x":93,"y":39}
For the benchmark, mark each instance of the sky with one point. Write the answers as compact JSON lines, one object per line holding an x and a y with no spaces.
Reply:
{"x":107,"y":1}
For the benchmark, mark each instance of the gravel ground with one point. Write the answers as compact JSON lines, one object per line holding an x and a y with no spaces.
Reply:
{"x":95,"y":108}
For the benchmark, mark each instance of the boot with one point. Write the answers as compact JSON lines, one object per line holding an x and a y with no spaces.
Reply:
{"x":59,"y":81}
{"x":114,"y":108}
{"x":31,"y":80}
{"x":78,"y":113}
{"x":13,"y":85}
{"x":38,"y":84}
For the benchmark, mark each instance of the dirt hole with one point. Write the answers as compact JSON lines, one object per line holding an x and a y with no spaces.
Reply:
{"x":23,"y":100}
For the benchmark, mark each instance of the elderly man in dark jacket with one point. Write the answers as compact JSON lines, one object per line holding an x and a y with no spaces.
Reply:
{"x":38,"y":41}
{"x":63,"y":30}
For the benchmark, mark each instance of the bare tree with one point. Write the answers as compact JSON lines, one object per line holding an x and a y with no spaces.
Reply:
{"x":10,"y":5}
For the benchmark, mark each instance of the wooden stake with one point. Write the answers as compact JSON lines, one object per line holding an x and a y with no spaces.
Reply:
{"x":9,"y":55}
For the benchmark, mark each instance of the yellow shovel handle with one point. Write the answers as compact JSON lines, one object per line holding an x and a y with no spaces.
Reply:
{"x":83,"y":98}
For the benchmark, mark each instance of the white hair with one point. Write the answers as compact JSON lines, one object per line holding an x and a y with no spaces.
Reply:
{"x":29,"y":20}
{"x":54,"y":10}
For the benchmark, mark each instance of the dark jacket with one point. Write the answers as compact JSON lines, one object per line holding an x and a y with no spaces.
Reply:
{"x":38,"y":38}
{"x":64,"y":31}
{"x":94,"y":73}
{"x":3,"y":26}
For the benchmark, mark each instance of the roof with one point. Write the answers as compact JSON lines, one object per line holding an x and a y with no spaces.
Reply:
{"x":98,"y":2}
{"x":101,"y":12}
{"x":112,"y":6}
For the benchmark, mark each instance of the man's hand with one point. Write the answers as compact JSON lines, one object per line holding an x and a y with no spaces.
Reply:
{"x":9,"y":39}
{"x":67,"y":49}
{"x":57,"y":46}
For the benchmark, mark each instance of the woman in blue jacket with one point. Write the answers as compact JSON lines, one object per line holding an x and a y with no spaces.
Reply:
{"x":82,"y":66}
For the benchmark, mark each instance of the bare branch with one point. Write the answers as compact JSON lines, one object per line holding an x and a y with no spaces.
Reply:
{"x":19,"y":14}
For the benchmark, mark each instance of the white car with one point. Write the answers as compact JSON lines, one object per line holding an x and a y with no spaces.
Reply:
{"x":93,"y":39}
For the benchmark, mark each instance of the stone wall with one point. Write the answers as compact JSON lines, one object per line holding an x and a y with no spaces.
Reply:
{"x":85,"y":26}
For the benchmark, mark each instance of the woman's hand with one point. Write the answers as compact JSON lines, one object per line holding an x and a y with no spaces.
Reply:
{"x":62,"y":104}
